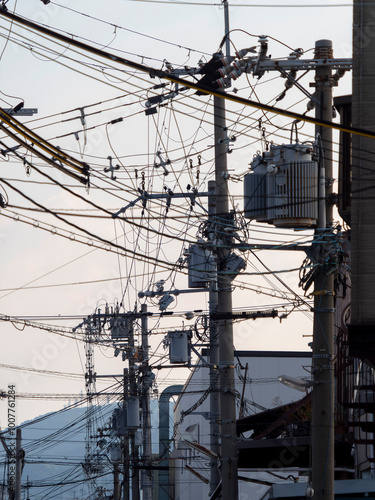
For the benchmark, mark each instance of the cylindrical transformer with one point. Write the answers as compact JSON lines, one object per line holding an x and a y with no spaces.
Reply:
{"x":133,"y":420}
{"x":179,"y":346}
{"x":119,"y":421}
{"x":255,"y":191}
{"x":115,"y":453}
{"x":282,"y":188}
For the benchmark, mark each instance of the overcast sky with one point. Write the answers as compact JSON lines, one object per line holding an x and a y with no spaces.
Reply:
{"x":55,"y":79}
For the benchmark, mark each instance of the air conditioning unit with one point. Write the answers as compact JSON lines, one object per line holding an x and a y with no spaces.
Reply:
{"x":282,"y":187}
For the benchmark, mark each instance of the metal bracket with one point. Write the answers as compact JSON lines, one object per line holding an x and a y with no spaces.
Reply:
{"x":162,"y":163}
{"x":111,"y":168}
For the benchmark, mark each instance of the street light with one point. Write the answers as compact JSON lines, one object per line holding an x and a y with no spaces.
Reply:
{"x":295,"y":383}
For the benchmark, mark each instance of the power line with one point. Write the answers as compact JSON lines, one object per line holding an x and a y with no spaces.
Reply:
{"x":196,"y":86}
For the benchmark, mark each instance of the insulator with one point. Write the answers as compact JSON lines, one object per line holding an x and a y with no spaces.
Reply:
{"x":239,"y":64}
{"x":235,"y":74}
{"x":242,"y":53}
{"x":220,"y":83}
{"x":225,"y":61}
{"x":225,"y":71}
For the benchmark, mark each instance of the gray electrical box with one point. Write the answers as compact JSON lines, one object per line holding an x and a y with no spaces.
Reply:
{"x":282,"y":187}
{"x":199,"y":267}
{"x":121,"y":327}
{"x":115,"y":453}
{"x":179,"y":346}
{"x":132,"y":406}
{"x":119,"y":421}
{"x":234,"y":264}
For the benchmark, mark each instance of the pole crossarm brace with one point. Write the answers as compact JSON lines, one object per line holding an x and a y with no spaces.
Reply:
{"x":245,"y":315}
{"x":156,"y":73}
{"x":298,"y":85}
{"x":300,"y":64}
{"x":256,"y":246}
{"x":161,"y":293}
{"x":22,"y":112}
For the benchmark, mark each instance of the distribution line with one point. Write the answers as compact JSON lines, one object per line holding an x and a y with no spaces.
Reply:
{"x":156,"y":73}
{"x":103,"y":240}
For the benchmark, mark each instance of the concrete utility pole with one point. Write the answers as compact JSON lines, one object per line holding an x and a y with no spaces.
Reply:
{"x":323,"y":427}
{"x":224,"y":302}
{"x":133,"y":446}
{"x":116,"y":483}
{"x":214,"y":356}
{"x":19,"y":459}
{"x":125,"y":444}
{"x":363,"y":171}
{"x":147,"y":475}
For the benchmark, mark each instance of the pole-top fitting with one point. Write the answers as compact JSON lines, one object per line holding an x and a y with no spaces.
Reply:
{"x":323,"y":43}
{"x":323,"y":49}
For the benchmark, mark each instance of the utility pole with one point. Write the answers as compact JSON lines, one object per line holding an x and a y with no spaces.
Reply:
{"x":28,"y":489}
{"x":214,"y":354}
{"x":147,"y":475}
{"x":228,"y":455}
{"x":116,"y":482}
{"x":323,"y":427}
{"x":19,"y":460}
{"x":125,"y":443}
{"x":134,"y":448}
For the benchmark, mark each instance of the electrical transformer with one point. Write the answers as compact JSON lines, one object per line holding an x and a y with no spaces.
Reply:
{"x":115,"y":450}
{"x":282,"y":187}
{"x":119,"y":418}
{"x":179,"y":346}
{"x":132,"y":405}
{"x":199,"y":267}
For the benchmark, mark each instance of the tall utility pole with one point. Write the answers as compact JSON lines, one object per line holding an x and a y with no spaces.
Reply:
{"x":125,"y":444}
{"x":116,"y":482}
{"x":228,"y":455}
{"x":214,"y":354}
{"x":146,"y":415}
{"x":19,"y":460}
{"x":323,"y":428}
{"x":133,"y":446}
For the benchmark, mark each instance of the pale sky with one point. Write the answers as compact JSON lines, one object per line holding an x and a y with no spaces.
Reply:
{"x":39,"y":72}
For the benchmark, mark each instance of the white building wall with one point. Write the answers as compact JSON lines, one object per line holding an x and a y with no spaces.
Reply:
{"x":263,"y":391}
